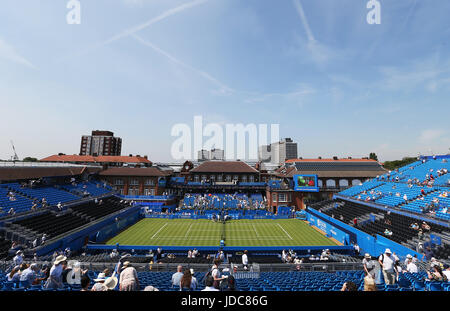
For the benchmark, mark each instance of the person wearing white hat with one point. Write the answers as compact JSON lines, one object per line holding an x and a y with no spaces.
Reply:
{"x":99,"y":285}
{"x":387,"y":263}
{"x":410,"y":265}
{"x":369,"y":266}
{"x":18,"y":259}
{"x":54,"y":280}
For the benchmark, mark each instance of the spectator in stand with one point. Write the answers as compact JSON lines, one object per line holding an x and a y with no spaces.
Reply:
{"x":128,"y":278}
{"x":187,"y":281}
{"x":357,"y":249}
{"x":369,"y":266}
{"x":99,"y":285}
{"x":215,"y":273}
{"x":245,"y":260}
{"x":209,"y":282}
{"x":410,"y":265}
{"x":18,"y":259}
{"x":446,"y":271}
{"x":85,"y":282}
{"x":349,"y":287}
{"x":54,"y":280}
{"x":14,"y":275}
{"x":369,"y":284}
{"x":428,"y":253}
{"x":436,"y":274}
{"x":28,"y":275}
{"x":176,"y":277}
{"x":387,"y":262}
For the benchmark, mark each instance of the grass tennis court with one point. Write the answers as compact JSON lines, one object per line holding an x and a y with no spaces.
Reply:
{"x":202,"y":232}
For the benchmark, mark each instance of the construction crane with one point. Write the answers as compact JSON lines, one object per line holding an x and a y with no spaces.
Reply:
{"x":15,"y":157}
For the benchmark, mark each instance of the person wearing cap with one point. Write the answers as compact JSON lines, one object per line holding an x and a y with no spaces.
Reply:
{"x":410,"y":265}
{"x":54,"y":280}
{"x":18,"y":259}
{"x":28,"y":275}
{"x":369,"y":265}
{"x":128,"y":278}
{"x":387,"y":263}
{"x":99,"y":285}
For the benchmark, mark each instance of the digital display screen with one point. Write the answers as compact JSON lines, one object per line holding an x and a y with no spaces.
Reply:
{"x":306,"y":183}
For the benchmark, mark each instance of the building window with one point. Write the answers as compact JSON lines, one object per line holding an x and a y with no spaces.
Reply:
{"x":282,"y":197}
{"x":149,"y":182}
{"x":203,"y":177}
{"x":274,"y":197}
{"x":252,"y":178}
{"x":134,"y":182}
{"x":196,"y":178}
{"x":236,"y":177}
{"x":148,"y":191}
{"x":228,"y":178}
{"x":219,"y":177}
{"x":118,"y":182}
{"x":212,"y":177}
{"x":244,"y":178}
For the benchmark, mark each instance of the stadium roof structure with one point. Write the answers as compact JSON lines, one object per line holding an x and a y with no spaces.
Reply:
{"x":96,"y":159}
{"x":224,"y":167}
{"x":332,"y":168}
{"x":135,"y":171}
{"x":9,"y":173}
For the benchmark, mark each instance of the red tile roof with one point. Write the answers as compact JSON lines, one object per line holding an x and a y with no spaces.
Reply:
{"x":224,"y":167}
{"x":99,"y":159}
{"x":329,"y":160}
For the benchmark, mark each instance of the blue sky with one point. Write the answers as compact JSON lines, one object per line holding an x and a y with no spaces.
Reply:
{"x":335,"y":84}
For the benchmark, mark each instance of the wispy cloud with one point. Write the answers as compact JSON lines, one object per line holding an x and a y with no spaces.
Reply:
{"x":319,"y":53}
{"x":137,"y":28}
{"x":223,"y":89}
{"x":9,"y":53}
{"x":297,"y":96}
{"x":429,"y":73}
{"x":430,"y":135}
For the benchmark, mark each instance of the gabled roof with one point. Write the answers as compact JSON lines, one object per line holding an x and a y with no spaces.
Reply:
{"x":224,"y":167}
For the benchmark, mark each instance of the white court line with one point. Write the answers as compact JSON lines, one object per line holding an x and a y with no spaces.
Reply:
{"x":257,"y":235}
{"x":272,"y":238}
{"x":285,"y":231}
{"x":188,"y":231}
{"x":159,"y":230}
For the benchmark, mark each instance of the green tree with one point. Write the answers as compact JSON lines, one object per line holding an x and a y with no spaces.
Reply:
{"x":30,"y":159}
{"x":392,"y":165}
{"x":373,"y":156}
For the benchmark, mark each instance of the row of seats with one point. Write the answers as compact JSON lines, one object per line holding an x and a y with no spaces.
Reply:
{"x":270,"y":281}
